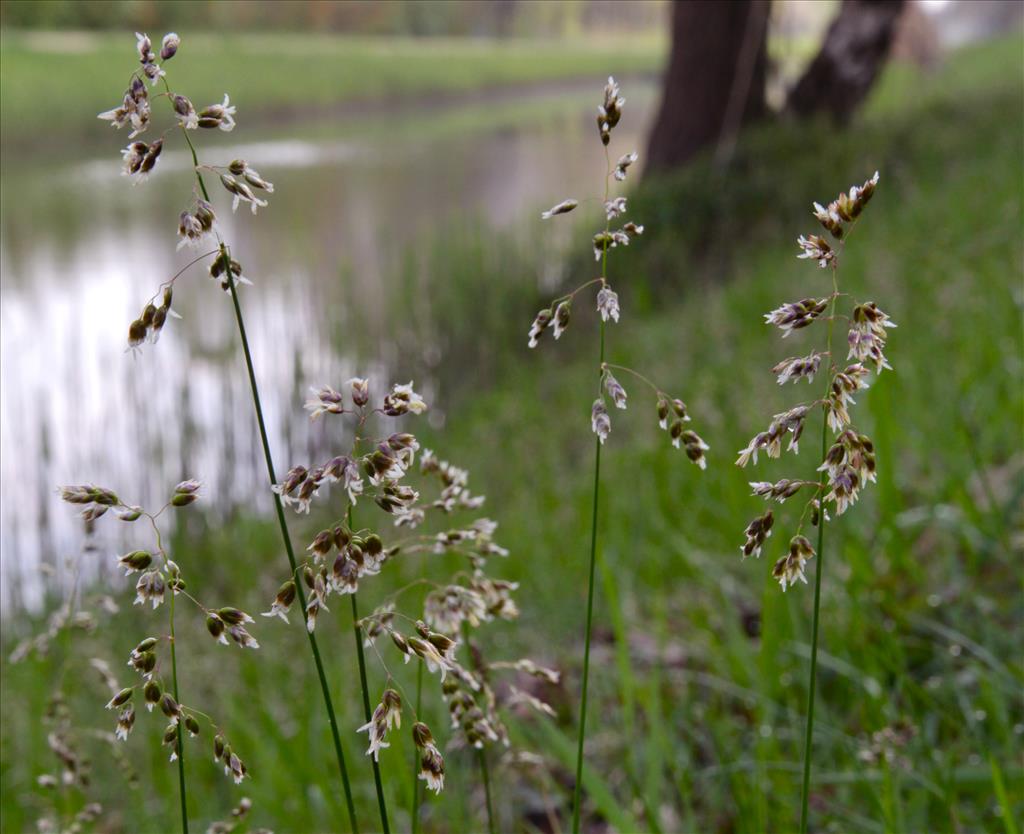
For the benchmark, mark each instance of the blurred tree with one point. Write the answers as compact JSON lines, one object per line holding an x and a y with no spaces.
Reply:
{"x":504,"y":17}
{"x":715,"y":78}
{"x":851,"y":56}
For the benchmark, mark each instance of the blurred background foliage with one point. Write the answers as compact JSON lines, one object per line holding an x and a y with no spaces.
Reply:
{"x":402,"y":239}
{"x":421,"y":18}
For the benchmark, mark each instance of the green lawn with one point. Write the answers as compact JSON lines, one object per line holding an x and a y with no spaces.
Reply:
{"x":273,"y":77}
{"x":699,"y":691}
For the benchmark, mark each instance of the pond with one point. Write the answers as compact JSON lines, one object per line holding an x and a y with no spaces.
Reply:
{"x":355,"y":199}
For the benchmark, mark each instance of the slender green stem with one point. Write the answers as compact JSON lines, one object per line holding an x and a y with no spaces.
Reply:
{"x":286,"y":538}
{"x":485,"y":773}
{"x":805,"y":794}
{"x":282,"y":523}
{"x":358,"y":634}
{"x":381,"y":803}
{"x":809,"y":732}
{"x":577,"y":798}
{"x":416,"y":755}
{"x":578,"y":788}
{"x":482,"y":753}
{"x":181,"y":747}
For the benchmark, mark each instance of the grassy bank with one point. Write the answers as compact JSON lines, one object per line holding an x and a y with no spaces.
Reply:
{"x":700,"y":717}
{"x":270,"y":77}
{"x":700,"y":689}
{"x":704,"y":660}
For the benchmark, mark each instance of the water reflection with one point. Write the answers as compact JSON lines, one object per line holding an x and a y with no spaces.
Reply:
{"x":82,"y":250}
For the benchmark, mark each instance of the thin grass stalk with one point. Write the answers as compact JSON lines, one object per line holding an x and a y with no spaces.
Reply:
{"x":485,"y":773}
{"x":357,"y":631}
{"x":482,"y":751}
{"x":823,"y":488}
{"x":182,"y":795}
{"x":578,"y":788}
{"x":282,"y":523}
{"x":367,"y":711}
{"x":416,"y":756}
{"x":809,"y":732}
{"x":286,"y":538}
{"x":578,"y":792}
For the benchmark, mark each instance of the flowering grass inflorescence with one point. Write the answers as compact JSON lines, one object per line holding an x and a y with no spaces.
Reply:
{"x":384,"y":470}
{"x":339,"y":558}
{"x":160,"y":579}
{"x":197,"y":224}
{"x":850,"y":462}
{"x":672,"y":414}
{"x":846,"y":465}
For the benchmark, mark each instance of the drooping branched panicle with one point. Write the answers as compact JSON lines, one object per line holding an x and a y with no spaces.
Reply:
{"x":154,"y":658}
{"x":671,"y":412}
{"x":197,"y":222}
{"x":415,"y":490}
{"x":197,"y":227}
{"x":848,"y":464}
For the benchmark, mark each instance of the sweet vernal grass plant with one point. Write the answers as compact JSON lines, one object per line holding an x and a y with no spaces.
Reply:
{"x":154,"y":658}
{"x":672,"y":414}
{"x":340,"y":557}
{"x":380,"y":466}
{"x":848,"y":464}
{"x":197,"y":224}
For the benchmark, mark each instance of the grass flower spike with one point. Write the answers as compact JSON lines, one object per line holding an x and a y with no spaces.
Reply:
{"x":671,"y":412}
{"x":161,"y":581}
{"x":197,"y":228}
{"x":385,"y":474}
{"x":848,"y":463}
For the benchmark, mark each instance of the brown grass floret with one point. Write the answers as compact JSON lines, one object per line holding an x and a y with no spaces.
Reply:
{"x":848,"y":464}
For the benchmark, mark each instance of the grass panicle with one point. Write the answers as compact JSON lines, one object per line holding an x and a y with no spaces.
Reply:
{"x":410,"y":489}
{"x":849,"y":463}
{"x":197,"y":225}
{"x":161,"y":579}
{"x":672,"y":413}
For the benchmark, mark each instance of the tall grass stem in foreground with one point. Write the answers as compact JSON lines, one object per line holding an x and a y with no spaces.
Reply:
{"x":286,"y":539}
{"x":672,"y":413}
{"x":182,"y":794}
{"x":342,"y":556}
{"x":470,"y":598}
{"x":415,"y":815}
{"x":485,"y":774}
{"x":486,"y":777}
{"x":357,"y":633}
{"x":849,"y":463}
{"x":578,"y":789}
{"x":815,"y":621}
{"x":229,"y":274}
{"x":367,"y":712}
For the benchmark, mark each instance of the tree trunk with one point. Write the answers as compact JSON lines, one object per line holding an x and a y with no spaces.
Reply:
{"x":715,"y":78}
{"x":853,"y":53}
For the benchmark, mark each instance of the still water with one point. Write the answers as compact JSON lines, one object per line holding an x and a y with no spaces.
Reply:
{"x":83,"y":249}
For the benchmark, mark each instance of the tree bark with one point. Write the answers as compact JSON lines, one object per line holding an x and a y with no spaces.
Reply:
{"x":714,"y":83}
{"x":853,"y":53}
